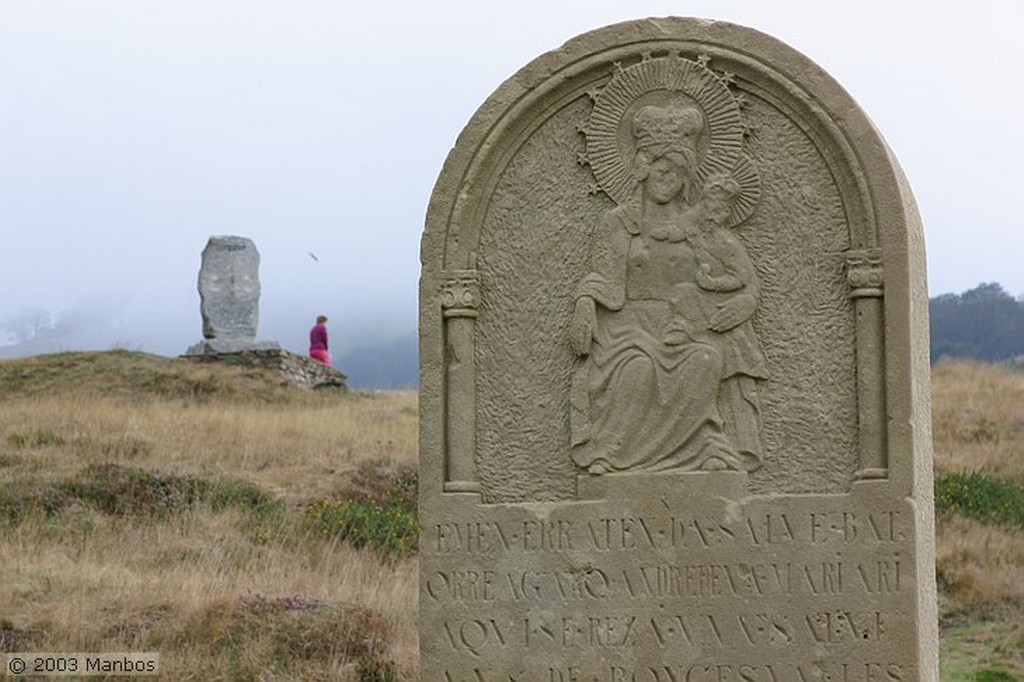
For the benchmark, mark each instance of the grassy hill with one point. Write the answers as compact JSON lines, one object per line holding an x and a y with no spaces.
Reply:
{"x":213,"y":513}
{"x":249,"y":529}
{"x":134,"y":376}
{"x":978,"y":428}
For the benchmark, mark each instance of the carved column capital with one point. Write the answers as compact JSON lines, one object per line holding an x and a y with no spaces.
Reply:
{"x":864,"y":273}
{"x":460,"y":293}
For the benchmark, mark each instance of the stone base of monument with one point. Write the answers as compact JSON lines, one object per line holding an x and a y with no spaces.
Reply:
{"x":230,"y":345}
{"x":727,"y":484}
{"x":297,"y":369}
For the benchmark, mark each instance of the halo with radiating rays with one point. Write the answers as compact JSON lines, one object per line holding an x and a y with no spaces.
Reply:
{"x":749,"y":196}
{"x":662,"y":81}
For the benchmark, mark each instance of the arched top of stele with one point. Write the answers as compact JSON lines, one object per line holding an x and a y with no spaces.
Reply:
{"x":673,"y":314}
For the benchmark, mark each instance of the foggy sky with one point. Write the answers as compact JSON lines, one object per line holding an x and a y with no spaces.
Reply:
{"x":133,"y":130}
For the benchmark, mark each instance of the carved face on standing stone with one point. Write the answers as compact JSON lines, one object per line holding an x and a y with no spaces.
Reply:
{"x":229,"y":288}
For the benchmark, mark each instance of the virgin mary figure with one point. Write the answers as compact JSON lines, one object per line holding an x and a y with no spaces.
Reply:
{"x":646,"y":391}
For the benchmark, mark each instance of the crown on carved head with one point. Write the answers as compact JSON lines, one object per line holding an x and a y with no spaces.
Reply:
{"x":672,"y":128}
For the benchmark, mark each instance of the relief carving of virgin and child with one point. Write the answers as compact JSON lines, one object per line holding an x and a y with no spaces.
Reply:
{"x":662,"y":322}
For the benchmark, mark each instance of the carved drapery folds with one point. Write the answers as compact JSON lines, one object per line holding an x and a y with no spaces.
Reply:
{"x":675,"y":287}
{"x":736,"y":268}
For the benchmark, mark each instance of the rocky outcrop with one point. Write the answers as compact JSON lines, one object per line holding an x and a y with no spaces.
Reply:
{"x":298,"y":369}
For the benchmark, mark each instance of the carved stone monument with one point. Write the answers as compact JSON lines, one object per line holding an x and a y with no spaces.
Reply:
{"x":674,"y":376}
{"x":229,"y":292}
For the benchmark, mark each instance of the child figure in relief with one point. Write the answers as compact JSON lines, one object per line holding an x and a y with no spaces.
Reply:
{"x":722,"y":263}
{"x":723,"y":268}
{"x":726,"y":281}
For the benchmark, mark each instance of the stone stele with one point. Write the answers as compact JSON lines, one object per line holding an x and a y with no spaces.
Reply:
{"x":674,"y":376}
{"x":229,"y":292}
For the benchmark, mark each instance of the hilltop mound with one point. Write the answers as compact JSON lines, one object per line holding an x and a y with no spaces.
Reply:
{"x":133,"y":376}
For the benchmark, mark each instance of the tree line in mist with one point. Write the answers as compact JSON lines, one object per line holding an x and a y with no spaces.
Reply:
{"x":985,"y":323}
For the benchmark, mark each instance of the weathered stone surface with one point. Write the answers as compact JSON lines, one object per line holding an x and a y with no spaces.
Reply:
{"x":229,"y":288}
{"x":229,"y":292}
{"x":674,"y":376}
{"x":297,"y":369}
{"x":229,"y":344}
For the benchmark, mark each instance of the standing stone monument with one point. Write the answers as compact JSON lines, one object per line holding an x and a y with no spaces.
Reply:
{"x":674,"y":376}
{"x":229,"y":292}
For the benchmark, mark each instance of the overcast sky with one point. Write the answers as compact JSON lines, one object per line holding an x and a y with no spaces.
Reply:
{"x":132,"y":130}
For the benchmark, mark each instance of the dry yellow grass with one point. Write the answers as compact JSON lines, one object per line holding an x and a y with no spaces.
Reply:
{"x":299,"y":450}
{"x":979,"y":565}
{"x":127,"y":586}
{"x":219,"y":595}
{"x":978,"y":418}
{"x":978,"y":425}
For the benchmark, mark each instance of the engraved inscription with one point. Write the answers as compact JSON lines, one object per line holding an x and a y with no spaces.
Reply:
{"x":474,"y":636}
{"x":732,"y":671}
{"x":603,"y":535}
{"x":673,"y":408}
{"x":655,"y":586}
{"x":461,"y":586}
{"x":678,"y":580}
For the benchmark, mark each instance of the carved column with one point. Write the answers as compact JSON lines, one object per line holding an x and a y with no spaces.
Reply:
{"x":460,"y":297}
{"x":864,"y":274}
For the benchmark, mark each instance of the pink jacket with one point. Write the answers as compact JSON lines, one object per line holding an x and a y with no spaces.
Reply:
{"x":318,"y":338}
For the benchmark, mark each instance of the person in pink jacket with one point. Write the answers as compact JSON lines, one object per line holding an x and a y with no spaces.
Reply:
{"x":318,"y":341}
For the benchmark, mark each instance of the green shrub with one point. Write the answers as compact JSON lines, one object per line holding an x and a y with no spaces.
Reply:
{"x":36,"y":438}
{"x":407,"y":487}
{"x":21,"y":499}
{"x":127,"y":447}
{"x":286,"y":634}
{"x":243,"y":495}
{"x":994,"y":675}
{"x":979,"y":496}
{"x":266,"y":516}
{"x":376,"y":670}
{"x":374,"y":480}
{"x":389,"y":528}
{"x":129,"y":491}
